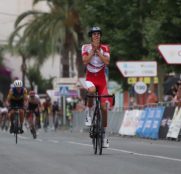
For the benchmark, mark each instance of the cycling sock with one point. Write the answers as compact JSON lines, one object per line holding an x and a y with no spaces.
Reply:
{"x":105,"y":132}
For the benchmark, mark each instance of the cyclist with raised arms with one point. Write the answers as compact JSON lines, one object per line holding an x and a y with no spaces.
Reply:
{"x":17,"y":97}
{"x":96,"y":56}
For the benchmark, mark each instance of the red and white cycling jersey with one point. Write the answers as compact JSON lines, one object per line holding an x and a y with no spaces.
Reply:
{"x":96,"y":64}
{"x":95,"y":75}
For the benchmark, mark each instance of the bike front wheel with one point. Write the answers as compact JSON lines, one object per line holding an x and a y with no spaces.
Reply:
{"x":99,"y":132}
{"x":94,"y":138}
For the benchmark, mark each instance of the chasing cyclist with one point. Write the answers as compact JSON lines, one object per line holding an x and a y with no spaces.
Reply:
{"x":96,"y":56}
{"x":34,"y":105}
{"x":17,"y":97}
{"x":46,"y":109}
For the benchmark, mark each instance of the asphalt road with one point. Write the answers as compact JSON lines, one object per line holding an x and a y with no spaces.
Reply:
{"x":66,"y":152}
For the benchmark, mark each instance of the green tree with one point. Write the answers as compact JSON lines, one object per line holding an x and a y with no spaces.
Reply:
{"x":35,"y":77}
{"x":134,"y":28}
{"x":26,"y":48}
{"x":122,"y":24}
{"x":59,"y":30}
{"x":163,"y":25}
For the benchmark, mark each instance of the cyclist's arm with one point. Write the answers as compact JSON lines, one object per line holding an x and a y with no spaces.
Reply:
{"x":87,"y":57}
{"x":104,"y":58}
{"x":9,"y":96}
{"x":25,"y":97}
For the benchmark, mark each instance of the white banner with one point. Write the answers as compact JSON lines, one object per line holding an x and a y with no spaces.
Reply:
{"x":137,"y":68}
{"x":175,"y":125}
{"x":130,"y":122}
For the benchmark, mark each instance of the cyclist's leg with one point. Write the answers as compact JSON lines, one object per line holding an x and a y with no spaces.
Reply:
{"x":3,"y":116}
{"x":6,"y":120}
{"x":30,"y":118}
{"x":46,"y":119}
{"x":91,"y":89}
{"x":20,"y":104}
{"x":37,"y":121}
{"x":53,"y":117}
{"x":11,"y":115}
{"x":105,"y":123}
{"x":34,"y":120}
{"x":11,"y":118}
{"x":102,"y":90}
{"x":21,"y":114}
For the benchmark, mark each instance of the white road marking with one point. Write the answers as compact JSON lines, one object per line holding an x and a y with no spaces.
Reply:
{"x":53,"y":141}
{"x":23,"y":137}
{"x":133,"y":153}
{"x":38,"y":139}
{"x":82,"y":144}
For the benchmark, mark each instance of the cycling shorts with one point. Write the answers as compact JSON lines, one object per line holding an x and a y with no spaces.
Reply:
{"x":32,"y":106}
{"x":17,"y":103}
{"x":99,"y":81}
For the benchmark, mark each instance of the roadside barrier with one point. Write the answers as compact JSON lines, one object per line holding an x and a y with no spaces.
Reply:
{"x":114,"y":121}
{"x":161,"y":121}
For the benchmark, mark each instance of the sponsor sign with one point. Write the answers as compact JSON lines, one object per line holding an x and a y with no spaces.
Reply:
{"x":147,"y":80}
{"x":171,"y":53}
{"x":137,"y":68}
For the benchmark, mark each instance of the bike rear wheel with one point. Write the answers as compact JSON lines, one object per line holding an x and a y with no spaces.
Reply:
{"x":32,"y":123}
{"x":46,"y":121}
{"x":16,"y":129}
{"x":56,"y":122}
{"x":33,"y":132}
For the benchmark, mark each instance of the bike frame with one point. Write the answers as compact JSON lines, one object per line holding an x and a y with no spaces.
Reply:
{"x":16,"y":121}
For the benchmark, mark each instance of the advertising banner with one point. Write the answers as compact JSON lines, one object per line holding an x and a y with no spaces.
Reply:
{"x":175,"y":126}
{"x":130,"y":122}
{"x":156,"y":122}
{"x":150,"y":123}
{"x":146,"y":131}
{"x":141,"y":123}
{"x":166,"y":121}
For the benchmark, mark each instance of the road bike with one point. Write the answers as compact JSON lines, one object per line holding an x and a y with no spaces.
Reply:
{"x":56,"y":120}
{"x":96,"y":128}
{"x":16,"y":122}
{"x":32,"y":122}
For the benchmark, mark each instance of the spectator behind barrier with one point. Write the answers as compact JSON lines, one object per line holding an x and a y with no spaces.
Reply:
{"x":177,"y":98}
{"x":152,"y":98}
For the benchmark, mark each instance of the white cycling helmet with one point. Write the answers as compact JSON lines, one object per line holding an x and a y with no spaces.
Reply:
{"x":18,"y":83}
{"x":93,"y":30}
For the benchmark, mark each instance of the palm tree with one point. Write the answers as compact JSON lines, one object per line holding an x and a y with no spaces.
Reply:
{"x":26,"y":48}
{"x":54,"y":29}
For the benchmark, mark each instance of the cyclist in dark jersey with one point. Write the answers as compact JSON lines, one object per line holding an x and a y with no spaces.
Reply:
{"x":17,"y":97}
